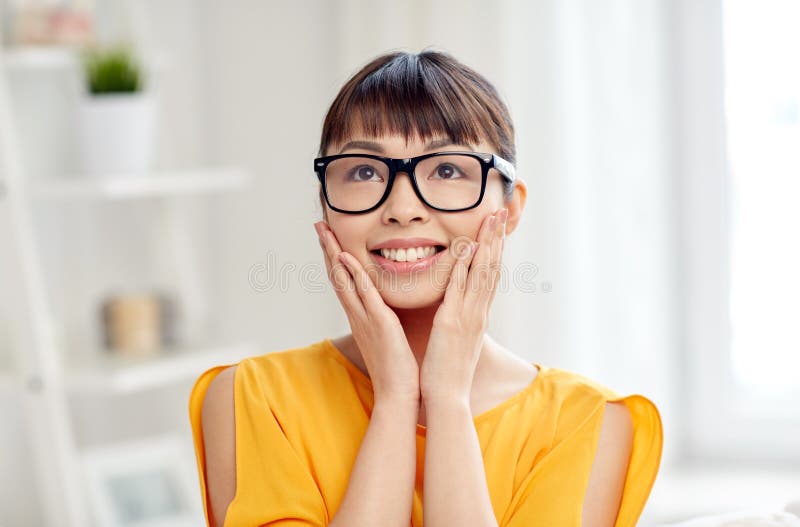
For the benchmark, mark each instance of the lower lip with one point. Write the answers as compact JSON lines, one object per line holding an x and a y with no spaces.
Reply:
{"x":393,"y":266}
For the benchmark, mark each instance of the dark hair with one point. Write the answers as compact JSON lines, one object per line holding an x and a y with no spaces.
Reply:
{"x":421,"y":95}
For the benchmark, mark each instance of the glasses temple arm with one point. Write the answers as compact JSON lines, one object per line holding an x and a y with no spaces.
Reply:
{"x":505,"y":168}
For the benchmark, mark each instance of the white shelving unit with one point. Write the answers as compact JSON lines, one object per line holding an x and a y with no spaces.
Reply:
{"x":41,"y":372}
{"x":38,"y":57}
{"x":122,"y":375}
{"x":133,"y":186}
{"x":109,"y":374}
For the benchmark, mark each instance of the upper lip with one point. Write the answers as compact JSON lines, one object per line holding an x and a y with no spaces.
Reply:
{"x":405,"y":243}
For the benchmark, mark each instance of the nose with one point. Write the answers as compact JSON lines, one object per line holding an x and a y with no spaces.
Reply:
{"x":403,"y":206}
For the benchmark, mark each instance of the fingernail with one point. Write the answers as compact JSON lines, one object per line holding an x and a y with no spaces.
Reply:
{"x":472,"y":248}
{"x":317,"y":227}
{"x":504,"y":215}
{"x":492,"y":221}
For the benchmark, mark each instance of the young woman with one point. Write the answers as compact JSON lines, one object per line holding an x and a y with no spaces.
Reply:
{"x":418,"y":413}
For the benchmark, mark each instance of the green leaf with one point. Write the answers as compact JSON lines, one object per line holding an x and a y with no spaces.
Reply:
{"x":112,"y":70}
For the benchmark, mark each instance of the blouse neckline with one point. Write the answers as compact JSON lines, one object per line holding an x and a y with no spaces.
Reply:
{"x":337,"y":354}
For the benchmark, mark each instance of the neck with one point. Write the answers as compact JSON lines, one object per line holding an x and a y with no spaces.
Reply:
{"x":417,"y":324}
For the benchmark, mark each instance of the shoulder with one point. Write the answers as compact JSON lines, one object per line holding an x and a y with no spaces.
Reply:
{"x":573,"y":400}
{"x":582,"y":400}
{"x":288,"y":362}
{"x":609,"y":469}
{"x":219,"y":443}
{"x":573,"y":385}
{"x":219,"y":395}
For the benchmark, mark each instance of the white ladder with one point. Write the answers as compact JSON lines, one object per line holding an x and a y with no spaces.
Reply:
{"x":58,"y":471}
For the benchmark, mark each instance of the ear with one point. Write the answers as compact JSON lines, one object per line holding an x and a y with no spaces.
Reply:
{"x":515,"y":205}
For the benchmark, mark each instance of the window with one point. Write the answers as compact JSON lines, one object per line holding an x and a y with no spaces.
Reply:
{"x":740,"y":146}
{"x":762,"y":111}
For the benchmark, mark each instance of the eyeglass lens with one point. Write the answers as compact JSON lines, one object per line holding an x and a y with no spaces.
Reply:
{"x":447,"y":182}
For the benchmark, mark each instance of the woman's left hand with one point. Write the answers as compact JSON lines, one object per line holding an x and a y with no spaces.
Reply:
{"x":454,"y":345}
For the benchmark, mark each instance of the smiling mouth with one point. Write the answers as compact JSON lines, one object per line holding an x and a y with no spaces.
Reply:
{"x":411,"y":254}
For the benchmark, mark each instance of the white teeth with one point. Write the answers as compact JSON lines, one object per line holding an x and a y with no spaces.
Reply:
{"x":411,"y":254}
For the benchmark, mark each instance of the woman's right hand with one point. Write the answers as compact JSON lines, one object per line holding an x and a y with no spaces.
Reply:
{"x":377,"y":331}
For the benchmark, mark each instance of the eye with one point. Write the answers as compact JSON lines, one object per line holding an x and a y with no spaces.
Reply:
{"x":447,"y":171}
{"x":363,"y":173}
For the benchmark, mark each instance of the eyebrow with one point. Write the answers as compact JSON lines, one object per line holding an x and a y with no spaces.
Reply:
{"x":376,"y":147}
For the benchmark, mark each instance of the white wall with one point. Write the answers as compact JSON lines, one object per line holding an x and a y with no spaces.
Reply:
{"x":270,"y":75}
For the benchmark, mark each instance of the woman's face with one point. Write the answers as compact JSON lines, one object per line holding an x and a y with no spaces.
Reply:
{"x":402,"y":216}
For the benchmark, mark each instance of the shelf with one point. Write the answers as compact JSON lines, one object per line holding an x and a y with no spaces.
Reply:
{"x":131,"y":186}
{"x":123,"y":375}
{"x":39,"y":57}
{"x":54,"y":57}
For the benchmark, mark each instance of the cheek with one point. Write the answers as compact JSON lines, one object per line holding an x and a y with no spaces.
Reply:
{"x":493,"y":197}
{"x":467,"y":223}
{"x":350,"y":233}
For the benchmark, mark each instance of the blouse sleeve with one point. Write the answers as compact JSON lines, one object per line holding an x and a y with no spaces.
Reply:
{"x":273,"y":485}
{"x":648,"y":439}
{"x":552,"y":495}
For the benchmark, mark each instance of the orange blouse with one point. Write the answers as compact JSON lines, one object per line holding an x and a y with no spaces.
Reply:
{"x":301,"y":414}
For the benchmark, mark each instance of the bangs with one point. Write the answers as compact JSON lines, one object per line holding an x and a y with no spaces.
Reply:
{"x":424,"y":96}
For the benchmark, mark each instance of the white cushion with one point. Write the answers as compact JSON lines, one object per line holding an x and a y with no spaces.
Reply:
{"x":744,"y":519}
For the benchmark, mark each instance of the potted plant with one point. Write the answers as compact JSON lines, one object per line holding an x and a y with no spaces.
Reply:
{"x":117,"y":113}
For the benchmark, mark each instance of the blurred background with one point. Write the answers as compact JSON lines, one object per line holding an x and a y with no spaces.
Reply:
{"x":157,"y":202}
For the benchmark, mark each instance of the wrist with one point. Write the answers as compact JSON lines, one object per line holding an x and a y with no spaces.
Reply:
{"x":449,"y":400}
{"x":396,"y":400}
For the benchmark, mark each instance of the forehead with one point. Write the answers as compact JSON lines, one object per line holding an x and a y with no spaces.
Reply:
{"x":398,"y":144}
{"x":386,"y":144}
{"x":419,"y":129}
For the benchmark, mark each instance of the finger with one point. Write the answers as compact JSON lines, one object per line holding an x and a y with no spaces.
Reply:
{"x":332,"y":248}
{"x":502,"y":222}
{"x":484,"y":239}
{"x":324,"y":250}
{"x":480,"y":271}
{"x":497,"y":252}
{"x":366,"y":289}
{"x":328,"y":252}
{"x":498,"y":239}
{"x":343,"y":284}
{"x":454,"y":294}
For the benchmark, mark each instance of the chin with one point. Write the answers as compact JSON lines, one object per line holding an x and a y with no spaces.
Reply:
{"x":416,"y":298}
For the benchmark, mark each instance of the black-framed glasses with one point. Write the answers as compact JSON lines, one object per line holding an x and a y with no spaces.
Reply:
{"x":445,"y":181}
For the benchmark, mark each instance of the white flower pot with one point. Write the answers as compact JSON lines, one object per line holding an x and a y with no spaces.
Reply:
{"x":117,"y":133}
